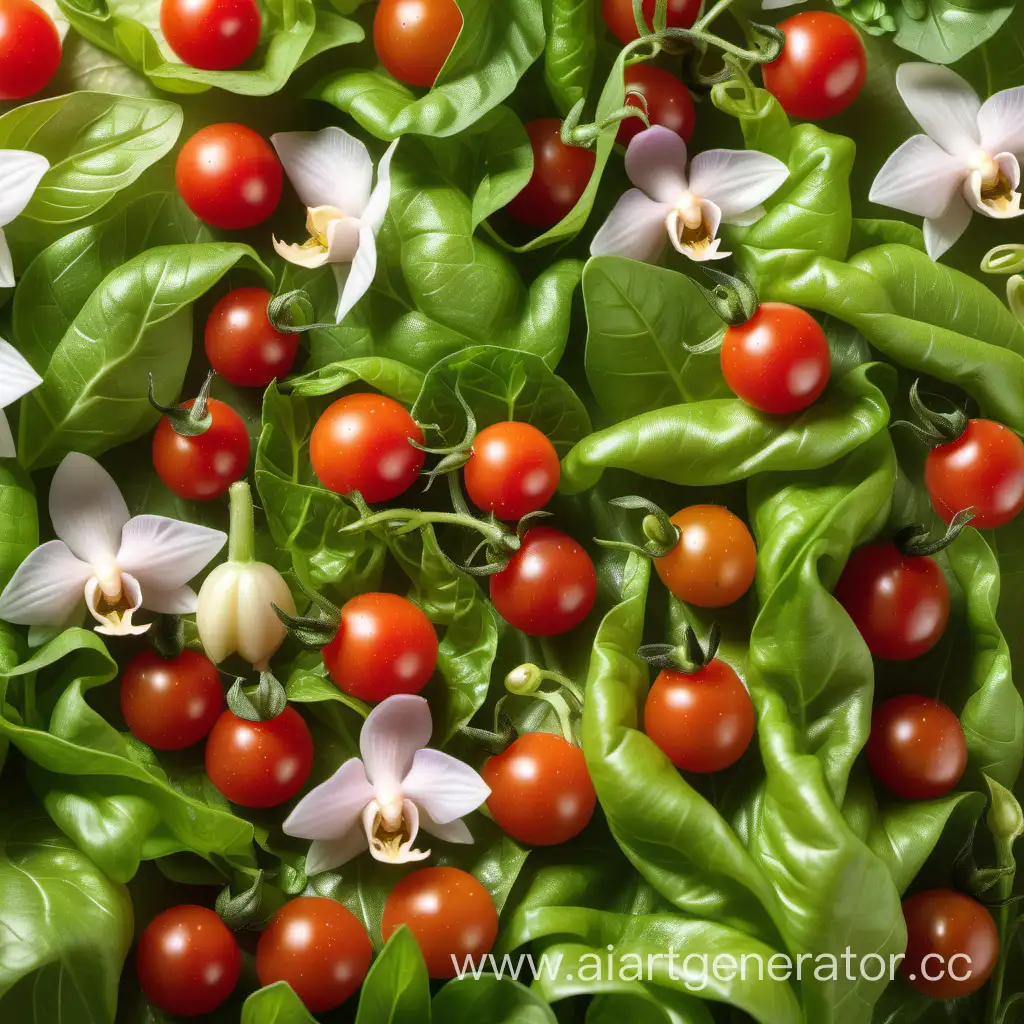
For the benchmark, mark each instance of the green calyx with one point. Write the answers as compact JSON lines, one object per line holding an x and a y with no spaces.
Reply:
{"x":661,"y":533}
{"x":293,"y":313}
{"x":188,"y":421}
{"x":258,"y":703}
{"x":934,"y":428}
{"x":689,"y":657}
{"x":314,"y":632}
{"x":733,"y":297}
{"x":914,"y":540}
{"x":249,"y":910}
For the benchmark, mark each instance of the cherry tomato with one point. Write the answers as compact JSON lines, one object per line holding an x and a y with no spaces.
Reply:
{"x":541,"y":791}
{"x":821,"y":69}
{"x":414,"y":37}
{"x":666,"y":99}
{"x":204,"y":466}
{"x":778,"y":361}
{"x":952,"y":943}
{"x":229,"y":176}
{"x":703,"y":721}
{"x":361,"y":443}
{"x":560,"y":176}
{"x":319,"y":947}
{"x":549,"y":585}
{"x":618,"y":16}
{"x":916,"y":748}
{"x":385,"y":645}
{"x":982,"y":469}
{"x":211,"y":34}
{"x":714,"y":562}
{"x":259,"y":764}
{"x":900,"y":603}
{"x":171,"y":703}
{"x":187,"y":961}
{"x":449,"y":913}
{"x":241,"y":344}
{"x":30,"y":49}
{"x":513,"y":470}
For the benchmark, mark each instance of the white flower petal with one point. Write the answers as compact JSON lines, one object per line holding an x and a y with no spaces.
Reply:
{"x":392,"y":733}
{"x":327,"y":168}
{"x":354,"y":279}
{"x":736,"y":180}
{"x":451,"y":831}
{"x":179,"y":601}
{"x":377,"y":208}
{"x":943,"y":104}
{"x":920,"y":178}
{"x":20,"y":174}
{"x":6,"y":264}
{"x":745,"y":219}
{"x":46,"y":588}
{"x":942,"y":231}
{"x":343,"y":239}
{"x":1001,"y":121}
{"x":405,"y":853}
{"x":635,"y":228}
{"x":443,"y":786}
{"x":163,"y":553}
{"x":1002,"y":210}
{"x":308,"y":256}
{"x":7,"y":447}
{"x":116,"y":622}
{"x":656,"y":163}
{"x":86,"y":509}
{"x":17,"y":378}
{"x":327,"y":854}
{"x":334,"y":808}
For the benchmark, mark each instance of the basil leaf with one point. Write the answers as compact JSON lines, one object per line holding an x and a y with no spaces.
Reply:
{"x":570,"y":50}
{"x":275,"y":1004}
{"x":491,"y":1000}
{"x":948,"y":30}
{"x":396,"y":989}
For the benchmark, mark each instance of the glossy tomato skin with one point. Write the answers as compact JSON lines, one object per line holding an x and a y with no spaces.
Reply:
{"x":229,"y":176}
{"x":171,"y":703}
{"x":30,"y":49}
{"x":259,"y":764}
{"x":448,"y":912}
{"x":242,"y":345}
{"x":205,"y":466}
{"x":541,"y":793}
{"x":618,"y":16}
{"x":514,"y":470}
{"x":188,"y":961}
{"x":319,"y":947}
{"x":948,"y":936}
{"x":668,"y":103}
{"x":414,"y":37}
{"x":549,"y":585}
{"x":778,"y":361}
{"x":385,"y":645}
{"x":703,"y":722}
{"x":982,"y":469}
{"x":560,"y":176}
{"x":900,"y":603}
{"x":361,"y":443}
{"x":714,"y":562}
{"x":821,"y":69}
{"x":211,"y":34}
{"x":916,"y":748}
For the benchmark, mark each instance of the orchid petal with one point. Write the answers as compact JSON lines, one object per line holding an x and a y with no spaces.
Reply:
{"x":746,"y":218}
{"x":115,"y":622}
{"x":46,"y":588}
{"x":6,"y":264}
{"x":1010,"y":206}
{"x":919,"y":178}
{"x":736,"y":180}
{"x":327,"y":168}
{"x":86,"y":509}
{"x":327,"y":854}
{"x":943,"y":104}
{"x":17,"y":378}
{"x":308,"y":256}
{"x":178,"y":601}
{"x":343,"y":239}
{"x":334,"y":808}
{"x":443,"y":786}
{"x":392,"y":733}
{"x":1001,"y":121}
{"x":354,"y":279}
{"x":635,"y":228}
{"x":942,"y":231}
{"x":163,"y":553}
{"x":20,"y":174}
{"x":656,"y":164}
{"x":451,"y":831}
{"x":405,"y":853}
{"x":377,"y":208}
{"x":7,"y":446}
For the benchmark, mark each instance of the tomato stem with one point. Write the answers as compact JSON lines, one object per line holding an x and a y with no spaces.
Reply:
{"x":689,"y":657}
{"x":242,"y":526}
{"x":661,"y":533}
{"x":526,"y":680}
{"x":293,"y":313}
{"x":732,"y":298}
{"x":494,"y":742}
{"x":934,"y":428}
{"x":188,"y":421}
{"x":250,"y":909}
{"x":260,"y":703}
{"x":913,"y":540}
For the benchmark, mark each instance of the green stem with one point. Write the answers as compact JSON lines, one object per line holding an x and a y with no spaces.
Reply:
{"x":242,"y":528}
{"x":993,"y":1011}
{"x":712,"y":13}
{"x":561,"y":709}
{"x":407,"y":520}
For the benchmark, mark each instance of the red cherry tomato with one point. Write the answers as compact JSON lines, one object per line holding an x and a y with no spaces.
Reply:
{"x":982,"y":469}
{"x":513,"y":470}
{"x":188,"y":961}
{"x":385,"y":645}
{"x":778,"y":361}
{"x":241,"y":344}
{"x":361,"y":443}
{"x":204,"y":466}
{"x":666,"y":99}
{"x":30,"y":49}
{"x":560,"y":176}
{"x":171,"y":703}
{"x":541,"y":793}
{"x":618,"y":16}
{"x":821,"y":69}
{"x":259,"y":764}
{"x":916,"y":748}
{"x":703,"y":721}
{"x":900,"y":603}
{"x":549,"y":585}
{"x":229,"y":176}
{"x":211,"y":34}
{"x":952,"y":944}
{"x":414,"y":37}
{"x":714,"y":562}
{"x":449,"y":913}
{"x":319,"y":947}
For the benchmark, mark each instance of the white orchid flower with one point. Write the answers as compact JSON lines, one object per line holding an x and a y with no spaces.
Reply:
{"x":112,"y":561}
{"x":20,"y":174}
{"x":383,"y":800}
{"x":17,"y":379}
{"x":332,"y":173}
{"x":967,"y":160}
{"x":723,"y":186}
